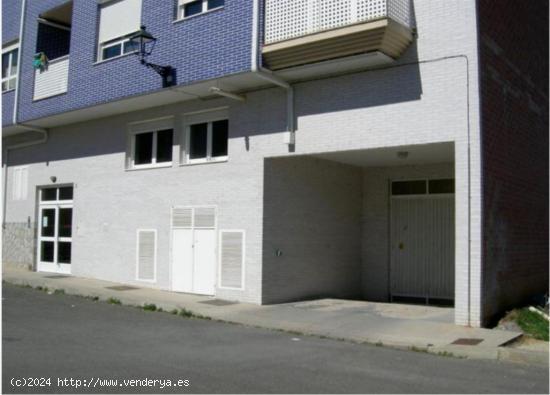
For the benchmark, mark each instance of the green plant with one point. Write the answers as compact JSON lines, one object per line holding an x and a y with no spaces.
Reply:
{"x":59,"y":292}
{"x":186,"y":313}
{"x":174,"y":312}
{"x":113,"y":301}
{"x":532,"y":324}
{"x":149,"y":307}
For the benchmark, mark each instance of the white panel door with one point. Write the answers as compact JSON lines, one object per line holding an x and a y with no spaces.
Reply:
{"x":422,"y":247}
{"x":204,"y":276}
{"x":182,"y":260}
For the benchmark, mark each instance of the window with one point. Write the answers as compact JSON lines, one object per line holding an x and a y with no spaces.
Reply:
{"x":423,"y":187}
{"x":188,"y":8}
{"x":60,"y":194}
{"x":20,"y":183}
{"x":207,"y":141}
{"x":9,"y":67}
{"x":119,"y":19}
{"x":152,"y":148}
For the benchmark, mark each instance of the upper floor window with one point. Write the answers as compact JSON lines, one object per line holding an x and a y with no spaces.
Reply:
{"x":188,"y":8}
{"x":9,"y":67}
{"x":206,"y":137}
{"x":118,"y":19}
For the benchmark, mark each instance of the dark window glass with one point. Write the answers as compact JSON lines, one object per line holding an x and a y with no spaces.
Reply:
{"x":65,"y":222}
{"x":198,"y":139}
{"x":66,"y":193}
{"x":46,"y":251}
{"x":5,"y":64}
{"x":164,"y":146}
{"x":111,"y":52}
{"x":47,"y":225}
{"x":144,"y":148}
{"x":219,"y":138}
{"x":408,"y":188}
{"x":215,"y":3}
{"x":14,"y":61}
{"x":49,"y":194}
{"x":442,"y":186}
{"x":130,"y":46}
{"x":63,"y":252}
{"x":193,"y":8}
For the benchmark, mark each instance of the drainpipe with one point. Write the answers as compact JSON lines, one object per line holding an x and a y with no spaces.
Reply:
{"x":266,"y":74}
{"x":44,"y":132}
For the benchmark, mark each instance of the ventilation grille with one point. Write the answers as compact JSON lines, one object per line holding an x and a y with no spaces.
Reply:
{"x":205,"y":217}
{"x":232,"y":262}
{"x":147,"y":240}
{"x":182,"y":218}
{"x":20,"y":183}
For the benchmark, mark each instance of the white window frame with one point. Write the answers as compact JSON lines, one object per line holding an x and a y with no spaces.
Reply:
{"x":208,"y":117}
{"x":112,"y":43}
{"x":9,"y":50}
{"x":20,"y":184}
{"x":183,"y":3}
{"x":150,"y":126}
{"x":243,"y":276}
{"x":146,"y":280}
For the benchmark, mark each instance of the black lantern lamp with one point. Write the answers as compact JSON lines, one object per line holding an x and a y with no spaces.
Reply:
{"x":145,"y":43}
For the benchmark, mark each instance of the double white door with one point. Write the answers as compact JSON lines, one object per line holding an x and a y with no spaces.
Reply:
{"x":194,"y":250}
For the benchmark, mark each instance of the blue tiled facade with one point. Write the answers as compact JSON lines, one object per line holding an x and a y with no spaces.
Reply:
{"x":204,"y":47}
{"x":10,"y":33}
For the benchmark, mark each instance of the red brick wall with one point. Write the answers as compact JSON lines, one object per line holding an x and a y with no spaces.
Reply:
{"x":513,"y":47}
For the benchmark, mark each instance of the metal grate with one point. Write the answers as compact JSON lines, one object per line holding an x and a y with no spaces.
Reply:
{"x":218,"y":302}
{"x":121,"y":288}
{"x":468,"y":341}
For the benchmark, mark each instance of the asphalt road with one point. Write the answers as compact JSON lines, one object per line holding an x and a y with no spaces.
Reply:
{"x":63,"y":337}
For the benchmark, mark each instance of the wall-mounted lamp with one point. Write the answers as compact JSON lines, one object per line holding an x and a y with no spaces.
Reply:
{"x":53,"y":179}
{"x":145,"y":43}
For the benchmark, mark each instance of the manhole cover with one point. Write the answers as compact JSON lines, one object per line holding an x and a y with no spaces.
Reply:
{"x":56,"y":276}
{"x":121,"y":288}
{"x":467,"y":342}
{"x":218,"y":302}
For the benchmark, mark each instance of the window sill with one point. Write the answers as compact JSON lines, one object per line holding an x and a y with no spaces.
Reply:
{"x":149,"y":167}
{"x":198,"y":15}
{"x":205,"y":162}
{"x":8,"y":91}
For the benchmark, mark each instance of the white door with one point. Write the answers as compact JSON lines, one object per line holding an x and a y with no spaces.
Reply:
{"x":194,"y":250}
{"x":422,"y":246}
{"x":55,"y":227}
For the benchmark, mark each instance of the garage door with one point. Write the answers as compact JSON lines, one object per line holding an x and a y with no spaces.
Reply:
{"x":422,"y":239}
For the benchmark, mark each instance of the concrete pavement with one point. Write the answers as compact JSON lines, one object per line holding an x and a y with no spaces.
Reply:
{"x":54,"y":336}
{"x":403,"y":326}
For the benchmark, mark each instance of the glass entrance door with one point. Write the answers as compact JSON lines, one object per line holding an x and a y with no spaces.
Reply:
{"x":55,"y":224}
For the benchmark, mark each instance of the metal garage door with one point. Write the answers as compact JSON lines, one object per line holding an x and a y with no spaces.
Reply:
{"x":422,"y":239}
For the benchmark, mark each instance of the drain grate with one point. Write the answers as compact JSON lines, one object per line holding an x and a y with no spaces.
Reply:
{"x":57,"y":276}
{"x":218,"y":302}
{"x":467,"y":342}
{"x":121,"y":288}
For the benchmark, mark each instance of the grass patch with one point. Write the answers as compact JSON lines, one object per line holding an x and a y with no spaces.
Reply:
{"x":59,"y":292}
{"x":533,"y":324}
{"x":150,"y":307}
{"x":113,"y":301}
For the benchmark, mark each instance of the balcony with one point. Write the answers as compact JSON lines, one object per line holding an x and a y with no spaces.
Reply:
{"x":300,"y":32}
{"x":53,"y":80}
{"x":53,"y":43}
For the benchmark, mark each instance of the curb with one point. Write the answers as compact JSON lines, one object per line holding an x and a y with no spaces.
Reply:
{"x":506,"y":354}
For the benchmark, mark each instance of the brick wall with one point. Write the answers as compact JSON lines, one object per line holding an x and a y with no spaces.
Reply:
{"x":11,"y":14}
{"x":514,"y":87}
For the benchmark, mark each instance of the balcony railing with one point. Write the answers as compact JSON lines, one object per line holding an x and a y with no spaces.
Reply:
{"x":306,"y":26}
{"x":53,"y":80}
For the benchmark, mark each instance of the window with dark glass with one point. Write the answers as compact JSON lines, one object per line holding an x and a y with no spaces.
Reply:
{"x":49,"y":194}
{"x":409,"y":187}
{"x":215,"y":4}
{"x":192,"y":8}
{"x":198,"y":141}
{"x":66,"y":193}
{"x":164,"y":145}
{"x":143,"y":148}
{"x":441,"y":186}
{"x":219,"y":138}
{"x":64,"y":252}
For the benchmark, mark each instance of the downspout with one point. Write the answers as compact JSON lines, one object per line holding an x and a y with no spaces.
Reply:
{"x":44,"y":132}
{"x":268,"y":75}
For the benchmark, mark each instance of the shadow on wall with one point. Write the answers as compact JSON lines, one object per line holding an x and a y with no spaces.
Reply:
{"x":311,"y":230}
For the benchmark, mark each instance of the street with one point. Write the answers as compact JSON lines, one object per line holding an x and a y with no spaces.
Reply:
{"x":55,"y":338}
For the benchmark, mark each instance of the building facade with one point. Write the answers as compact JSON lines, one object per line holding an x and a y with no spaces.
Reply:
{"x":387,"y":150}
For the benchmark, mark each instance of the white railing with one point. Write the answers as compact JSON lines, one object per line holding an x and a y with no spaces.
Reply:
{"x":53,"y":80}
{"x":286,"y":19}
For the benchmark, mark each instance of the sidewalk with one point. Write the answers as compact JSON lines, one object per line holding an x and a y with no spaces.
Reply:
{"x":417,"y":328}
